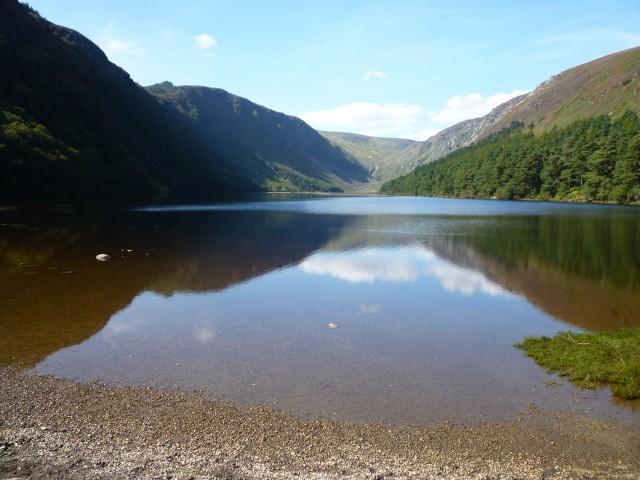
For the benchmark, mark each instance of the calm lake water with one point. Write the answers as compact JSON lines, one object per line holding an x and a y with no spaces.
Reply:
{"x":429,"y":297}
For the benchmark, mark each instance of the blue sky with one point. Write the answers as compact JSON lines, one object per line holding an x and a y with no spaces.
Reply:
{"x":403,"y":68}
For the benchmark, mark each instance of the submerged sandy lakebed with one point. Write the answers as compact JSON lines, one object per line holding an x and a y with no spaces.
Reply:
{"x":53,"y":428}
{"x":203,"y":348}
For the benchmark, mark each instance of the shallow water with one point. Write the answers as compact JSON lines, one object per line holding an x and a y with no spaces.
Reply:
{"x":429,"y":296}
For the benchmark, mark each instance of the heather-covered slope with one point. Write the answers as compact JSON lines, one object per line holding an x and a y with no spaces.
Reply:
{"x":576,"y":137}
{"x":607,"y":86}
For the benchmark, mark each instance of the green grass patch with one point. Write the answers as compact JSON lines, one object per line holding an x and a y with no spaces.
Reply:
{"x":591,"y":359}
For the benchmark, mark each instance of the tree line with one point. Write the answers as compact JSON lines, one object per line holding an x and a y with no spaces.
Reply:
{"x":596,"y":159}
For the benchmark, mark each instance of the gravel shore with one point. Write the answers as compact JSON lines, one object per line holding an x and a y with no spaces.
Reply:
{"x":52,"y":428}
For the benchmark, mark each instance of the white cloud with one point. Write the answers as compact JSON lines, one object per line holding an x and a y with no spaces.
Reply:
{"x":369,"y":308}
{"x":374,"y":75}
{"x":117,"y":326}
{"x":404,"y":120}
{"x":406,"y":264}
{"x":204,"y":41}
{"x":204,"y":334}
{"x":579,"y":38}
{"x":472,"y":105}
{"x":367,"y":118}
{"x":168,"y":33}
{"x":461,"y":280}
{"x":568,"y":44}
{"x":630,"y":39}
{"x":116,"y":46}
{"x":366,"y":266}
{"x":420,"y":134}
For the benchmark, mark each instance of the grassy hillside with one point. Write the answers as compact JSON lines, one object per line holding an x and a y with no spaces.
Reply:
{"x":588,"y":160}
{"x":384,"y":158}
{"x":607,"y":86}
{"x":73,"y":125}
{"x":276,"y":151}
{"x":577,"y":139}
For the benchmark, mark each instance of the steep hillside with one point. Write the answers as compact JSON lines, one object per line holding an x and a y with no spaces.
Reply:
{"x":607,"y":86}
{"x":597,"y":159}
{"x":74,"y":125}
{"x":463,"y":133}
{"x":385,"y":158}
{"x":277,"y":151}
{"x":390,"y":158}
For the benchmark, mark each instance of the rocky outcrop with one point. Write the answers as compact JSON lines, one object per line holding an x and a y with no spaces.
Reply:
{"x":463,"y":134}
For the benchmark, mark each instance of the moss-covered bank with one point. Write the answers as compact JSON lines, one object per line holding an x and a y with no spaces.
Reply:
{"x":591,"y":359}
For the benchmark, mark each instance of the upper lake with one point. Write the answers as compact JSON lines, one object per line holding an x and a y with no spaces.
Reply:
{"x":429,"y":297}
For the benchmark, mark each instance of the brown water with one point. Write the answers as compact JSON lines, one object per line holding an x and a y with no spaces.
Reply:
{"x":429,"y":297}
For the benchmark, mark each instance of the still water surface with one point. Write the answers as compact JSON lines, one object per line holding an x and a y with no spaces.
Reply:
{"x":429,"y":296}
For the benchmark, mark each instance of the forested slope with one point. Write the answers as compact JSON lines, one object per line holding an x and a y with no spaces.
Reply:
{"x":74,"y":126}
{"x":589,"y":160}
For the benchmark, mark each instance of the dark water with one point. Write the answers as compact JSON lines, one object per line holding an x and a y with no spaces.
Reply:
{"x":429,"y":297}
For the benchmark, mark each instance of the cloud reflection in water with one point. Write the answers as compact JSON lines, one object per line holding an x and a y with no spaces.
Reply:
{"x":405,"y":264}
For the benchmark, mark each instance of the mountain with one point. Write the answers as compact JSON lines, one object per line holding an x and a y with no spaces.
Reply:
{"x":75,"y":126}
{"x":384,"y":158}
{"x":462,"y":134}
{"x":597,"y":159}
{"x":606,"y":86}
{"x":538,"y":268}
{"x":575,"y":137}
{"x":277,"y":151}
{"x":389,"y":158}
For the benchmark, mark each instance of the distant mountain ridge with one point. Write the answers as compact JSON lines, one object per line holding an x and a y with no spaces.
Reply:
{"x":381,"y":156}
{"x":389,"y":158}
{"x":463,"y":133}
{"x":278,"y":152}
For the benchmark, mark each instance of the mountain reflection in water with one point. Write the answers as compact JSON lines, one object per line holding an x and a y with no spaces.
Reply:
{"x":429,"y":297}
